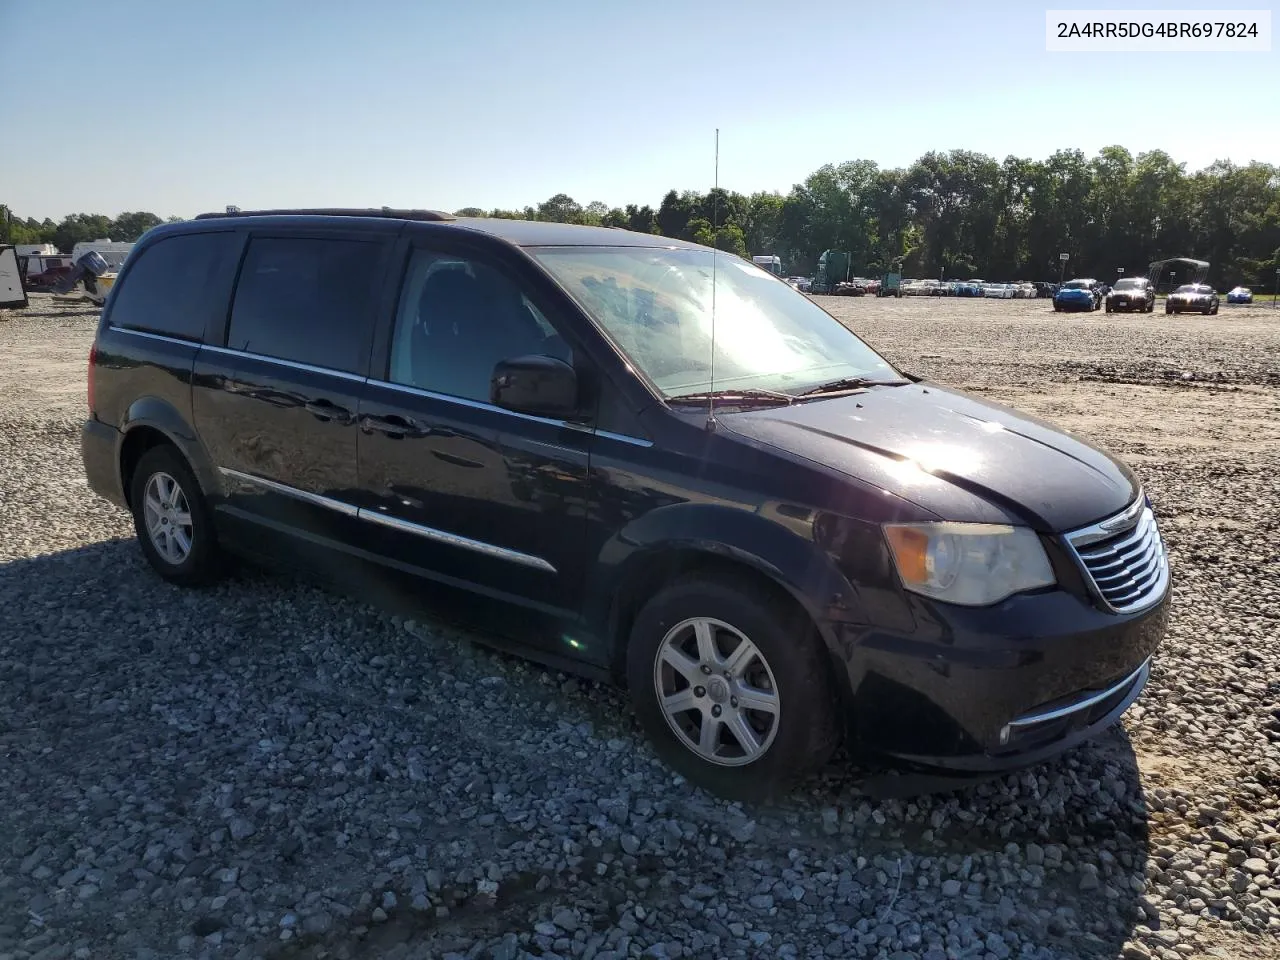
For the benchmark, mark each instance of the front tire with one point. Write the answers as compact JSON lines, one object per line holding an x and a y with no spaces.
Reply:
{"x":731,"y":687}
{"x":173,"y":523}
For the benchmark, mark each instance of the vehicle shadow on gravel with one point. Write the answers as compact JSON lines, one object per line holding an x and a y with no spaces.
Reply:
{"x":269,"y":769}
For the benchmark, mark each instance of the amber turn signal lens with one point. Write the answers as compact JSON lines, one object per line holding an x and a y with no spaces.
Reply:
{"x":910,"y":548}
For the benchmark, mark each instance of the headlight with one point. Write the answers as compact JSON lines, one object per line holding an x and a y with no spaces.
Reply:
{"x":973,"y":564}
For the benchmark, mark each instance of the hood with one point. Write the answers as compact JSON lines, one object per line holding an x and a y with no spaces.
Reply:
{"x":1074,"y":292}
{"x":956,"y":456}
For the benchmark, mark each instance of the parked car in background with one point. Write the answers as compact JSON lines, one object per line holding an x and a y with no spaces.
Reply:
{"x":481,"y":407}
{"x":1079,"y":294}
{"x":1001,"y":291}
{"x":43,"y":273}
{"x":1026,"y":291}
{"x":1044,"y":289}
{"x":1130,"y":294}
{"x":1240,"y":295}
{"x":803,"y":284}
{"x":1192,"y":298}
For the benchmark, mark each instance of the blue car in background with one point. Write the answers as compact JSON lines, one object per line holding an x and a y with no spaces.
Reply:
{"x":1077,"y":295}
{"x":1240,"y":295}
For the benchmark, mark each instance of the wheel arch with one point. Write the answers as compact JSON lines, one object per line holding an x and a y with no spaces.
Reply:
{"x":707,"y":540}
{"x":151,"y":422}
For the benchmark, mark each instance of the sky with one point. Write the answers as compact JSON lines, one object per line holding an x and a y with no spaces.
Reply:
{"x":181,"y":107}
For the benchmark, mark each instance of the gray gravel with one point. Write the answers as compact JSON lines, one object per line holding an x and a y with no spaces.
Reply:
{"x":269,"y":770}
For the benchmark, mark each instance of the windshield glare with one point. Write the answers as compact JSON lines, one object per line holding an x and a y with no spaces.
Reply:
{"x":1191,"y":288}
{"x":1076,"y":285}
{"x":1127,"y":284}
{"x":655,"y":304}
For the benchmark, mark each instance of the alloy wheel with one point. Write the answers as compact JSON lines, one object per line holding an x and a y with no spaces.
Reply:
{"x":716,"y":691}
{"x":168,"y":518}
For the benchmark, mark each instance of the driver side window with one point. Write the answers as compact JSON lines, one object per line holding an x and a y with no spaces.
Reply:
{"x":458,"y":317}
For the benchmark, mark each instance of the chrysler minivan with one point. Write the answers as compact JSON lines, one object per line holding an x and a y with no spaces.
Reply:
{"x":680,"y":473}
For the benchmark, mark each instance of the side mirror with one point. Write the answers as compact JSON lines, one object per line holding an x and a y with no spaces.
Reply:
{"x":535,"y":384}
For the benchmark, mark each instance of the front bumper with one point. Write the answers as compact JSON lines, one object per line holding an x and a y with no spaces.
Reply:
{"x":1074,"y":304}
{"x":1128,"y":306}
{"x":985,"y":690}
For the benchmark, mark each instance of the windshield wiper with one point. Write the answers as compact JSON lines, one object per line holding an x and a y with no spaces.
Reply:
{"x":753,"y":395}
{"x":850,"y":383}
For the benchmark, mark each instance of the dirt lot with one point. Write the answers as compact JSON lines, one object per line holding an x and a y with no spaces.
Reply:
{"x":268,"y":770}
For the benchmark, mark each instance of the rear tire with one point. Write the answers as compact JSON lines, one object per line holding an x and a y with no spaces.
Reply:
{"x":173,"y":523}
{"x":690,"y":678}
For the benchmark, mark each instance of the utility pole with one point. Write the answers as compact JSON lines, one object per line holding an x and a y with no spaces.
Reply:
{"x":1275,"y":290}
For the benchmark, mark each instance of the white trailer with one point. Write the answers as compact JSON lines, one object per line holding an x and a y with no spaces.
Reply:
{"x":12,"y":293}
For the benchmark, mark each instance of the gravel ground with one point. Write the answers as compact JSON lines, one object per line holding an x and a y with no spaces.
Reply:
{"x":268,"y":770}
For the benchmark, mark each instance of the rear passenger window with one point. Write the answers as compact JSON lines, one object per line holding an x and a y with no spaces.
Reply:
{"x":176,"y":285}
{"x":306,"y":300}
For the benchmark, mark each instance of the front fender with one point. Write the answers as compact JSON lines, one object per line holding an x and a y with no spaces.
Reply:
{"x":157,"y":414}
{"x":780,"y":546}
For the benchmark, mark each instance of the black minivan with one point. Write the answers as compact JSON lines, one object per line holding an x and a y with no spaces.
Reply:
{"x":679,"y":472}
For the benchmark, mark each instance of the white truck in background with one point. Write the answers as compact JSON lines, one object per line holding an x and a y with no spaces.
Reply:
{"x":772,"y":264}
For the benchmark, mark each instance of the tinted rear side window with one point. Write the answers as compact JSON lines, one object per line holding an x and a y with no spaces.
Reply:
{"x":306,"y":300}
{"x":176,"y":285}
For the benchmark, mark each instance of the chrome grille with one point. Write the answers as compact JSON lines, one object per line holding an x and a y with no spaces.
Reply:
{"x":1124,"y":558}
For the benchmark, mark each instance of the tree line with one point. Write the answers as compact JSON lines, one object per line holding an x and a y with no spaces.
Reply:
{"x":963,"y":215}
{"x":76,"y":227}
{"x":955,"y":214}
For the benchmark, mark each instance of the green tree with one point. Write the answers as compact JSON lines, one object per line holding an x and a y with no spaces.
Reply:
{"x":561,"y":208}
{"x":79,"y":227}
{"x":130,"y":226}
{"x":641,"y":219}
{"x":675,"y":212}
{"x":616,"y":218}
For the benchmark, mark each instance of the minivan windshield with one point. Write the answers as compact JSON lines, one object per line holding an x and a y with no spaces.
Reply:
{"x":656,"y":305}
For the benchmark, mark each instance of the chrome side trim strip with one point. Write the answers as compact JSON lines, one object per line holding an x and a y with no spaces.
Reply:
{"x":1032,"y":719}
{"x":454,"y":540}
{"x":465,"y":402}
{"x":394,"y":523}
{"x":153,"y":336}
{"x":293,"y":364}
{"x":623,"y":438}
{"x":315,"y":499}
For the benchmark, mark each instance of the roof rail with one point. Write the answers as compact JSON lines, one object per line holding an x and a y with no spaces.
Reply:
{"x":386,"y":212}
